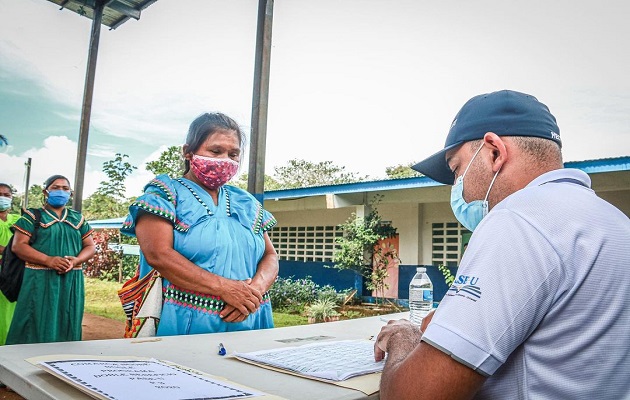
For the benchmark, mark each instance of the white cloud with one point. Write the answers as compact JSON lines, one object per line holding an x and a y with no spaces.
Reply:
{"x":377,"y":87}
{"x":56,"y":155}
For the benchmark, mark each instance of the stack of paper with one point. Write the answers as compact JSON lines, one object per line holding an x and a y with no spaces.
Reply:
{"x":336,"y":361}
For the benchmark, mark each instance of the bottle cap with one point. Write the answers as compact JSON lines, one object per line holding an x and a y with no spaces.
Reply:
{"x":421,"y":269}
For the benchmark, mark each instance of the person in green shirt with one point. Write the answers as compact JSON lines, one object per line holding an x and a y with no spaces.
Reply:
{"x":51,"y":302}
{"x":6,"y":221}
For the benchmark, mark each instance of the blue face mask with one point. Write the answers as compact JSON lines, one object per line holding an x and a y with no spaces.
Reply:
{"x":58,"y":198}
{"x":5,"y":203}
{"x":469,"y":214}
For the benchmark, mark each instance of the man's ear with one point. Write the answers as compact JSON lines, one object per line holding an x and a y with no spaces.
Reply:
{"x":499,"y":150}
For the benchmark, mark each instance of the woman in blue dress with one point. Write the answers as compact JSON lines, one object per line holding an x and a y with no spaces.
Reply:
{"x":208,"y":240}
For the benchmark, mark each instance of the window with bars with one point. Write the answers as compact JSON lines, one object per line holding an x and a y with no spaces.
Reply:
{"x":305,"y":243}
{"x":446,"y":243}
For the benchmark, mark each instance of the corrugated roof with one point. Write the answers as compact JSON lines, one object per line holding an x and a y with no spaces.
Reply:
{"x":588,"y":166}
{"x":601,"y":165}
{"x":115,"y":13}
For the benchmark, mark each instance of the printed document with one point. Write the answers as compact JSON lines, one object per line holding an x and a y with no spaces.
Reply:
{"x":142,"y":380}
{"x":335,"y":361}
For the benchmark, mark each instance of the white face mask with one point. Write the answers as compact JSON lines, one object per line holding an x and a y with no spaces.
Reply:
{"x":469,"y":214}
{"x":5,"y":203}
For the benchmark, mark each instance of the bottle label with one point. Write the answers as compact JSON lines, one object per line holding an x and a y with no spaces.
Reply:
{"x":427,"y":295}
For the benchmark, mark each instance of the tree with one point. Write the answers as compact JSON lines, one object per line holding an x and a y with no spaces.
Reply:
{"x":358,"y":251}
{"x":171,"y":162}
{"x":117,"y":171}
{"x":103,"y":206}
{"x":35,"y":196}
{"x":270,"y":183}
{"x":402,"y":171}
{"x":302,"y":173}
{"x":109,"y":199}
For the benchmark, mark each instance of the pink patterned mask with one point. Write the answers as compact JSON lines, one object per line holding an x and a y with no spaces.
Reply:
{"x":213,"y":172}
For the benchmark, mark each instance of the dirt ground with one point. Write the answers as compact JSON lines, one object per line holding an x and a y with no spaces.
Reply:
{"x":94,"y":328}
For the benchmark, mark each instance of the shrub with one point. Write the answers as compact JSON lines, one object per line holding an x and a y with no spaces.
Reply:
{"x":327,"y":292}
{"x":292,"y":295}
{"x":105,"y":261}
{"x":322,"y":310}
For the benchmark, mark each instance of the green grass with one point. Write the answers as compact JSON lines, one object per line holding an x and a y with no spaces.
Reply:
{"x":101,"y":298}
{"x":282,"y":319}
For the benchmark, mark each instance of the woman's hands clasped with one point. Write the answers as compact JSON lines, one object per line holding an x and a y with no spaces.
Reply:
{"x":241,"y":299}
{"x":61,"y":264}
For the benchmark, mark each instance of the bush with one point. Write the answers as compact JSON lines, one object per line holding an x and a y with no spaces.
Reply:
{"x":292,"y":295}
{"x":106,"y":261}
{"x":322,"y":310}
{"x":328,"y":293}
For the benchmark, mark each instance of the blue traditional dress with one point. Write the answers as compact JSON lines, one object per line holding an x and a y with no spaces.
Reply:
{"x":226,"y":239}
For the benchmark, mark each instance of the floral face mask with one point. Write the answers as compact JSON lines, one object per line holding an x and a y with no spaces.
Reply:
{"x":213,"y":172}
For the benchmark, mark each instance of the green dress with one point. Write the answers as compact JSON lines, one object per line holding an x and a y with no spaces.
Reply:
{"x":50,"y":305}
{"x":6,"y":307}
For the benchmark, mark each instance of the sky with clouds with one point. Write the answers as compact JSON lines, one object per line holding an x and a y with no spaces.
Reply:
{"x":366,"y":84}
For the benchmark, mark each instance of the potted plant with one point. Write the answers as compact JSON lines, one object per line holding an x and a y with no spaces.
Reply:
{"x":322,"y":310}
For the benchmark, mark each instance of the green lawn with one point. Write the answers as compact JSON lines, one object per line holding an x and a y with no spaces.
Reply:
{"x":101,"y":298}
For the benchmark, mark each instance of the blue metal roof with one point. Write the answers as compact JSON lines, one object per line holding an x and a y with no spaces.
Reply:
{"x":588,"y":166}
{"x":601,"y":165}
{"x":111,"y":223}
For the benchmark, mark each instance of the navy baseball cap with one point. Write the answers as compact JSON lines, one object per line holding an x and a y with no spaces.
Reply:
{"x":506,"y":113}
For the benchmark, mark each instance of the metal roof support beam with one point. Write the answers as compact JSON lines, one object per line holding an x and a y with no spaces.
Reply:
{"x":79,"y":174}
{"x":124,"y":9}
{"x":256,"y":177}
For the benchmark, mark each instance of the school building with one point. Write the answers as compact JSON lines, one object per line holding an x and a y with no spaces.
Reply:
{"x":419,"y":208}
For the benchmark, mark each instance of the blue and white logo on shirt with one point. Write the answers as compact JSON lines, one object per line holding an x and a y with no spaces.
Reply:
{"x":465,"y":286}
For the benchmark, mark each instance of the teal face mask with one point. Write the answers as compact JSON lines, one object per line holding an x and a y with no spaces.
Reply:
{"x":469,"y":214}
{"x":5,"y":203}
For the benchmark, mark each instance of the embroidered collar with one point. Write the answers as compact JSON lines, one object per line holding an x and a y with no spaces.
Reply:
{"x":192,"y":191}
{"x":64,"y":216}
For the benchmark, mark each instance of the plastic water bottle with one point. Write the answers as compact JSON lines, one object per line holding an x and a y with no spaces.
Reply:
{"x":420,"y":296}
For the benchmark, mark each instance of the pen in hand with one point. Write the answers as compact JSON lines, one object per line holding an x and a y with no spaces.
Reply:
{"x":222,"y":351}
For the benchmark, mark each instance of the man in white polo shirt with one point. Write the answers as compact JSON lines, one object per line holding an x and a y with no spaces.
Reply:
{"x":540,"y":307}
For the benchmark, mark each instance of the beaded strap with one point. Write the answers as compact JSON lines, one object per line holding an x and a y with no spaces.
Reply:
{"x":197,"y":301}
{"x":227,"y":198}
{"x":170,"y":195}
{"x":159,"y":211}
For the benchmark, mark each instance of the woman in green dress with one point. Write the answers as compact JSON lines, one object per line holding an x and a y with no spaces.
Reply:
{"x":6,"y":221}
{"x":50,"y":305}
